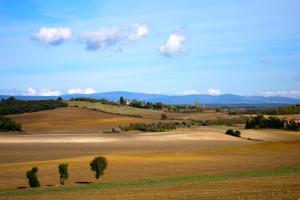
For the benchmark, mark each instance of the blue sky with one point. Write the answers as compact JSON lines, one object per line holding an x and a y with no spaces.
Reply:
{"x":171,"y":47}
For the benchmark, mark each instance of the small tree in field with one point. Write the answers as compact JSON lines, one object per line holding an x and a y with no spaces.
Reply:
{"x":98,"y":165}
{"x":63,"y":172}
{"x":122,"y":101}
{"x":163,"y":117}
{"x":32,"y":177}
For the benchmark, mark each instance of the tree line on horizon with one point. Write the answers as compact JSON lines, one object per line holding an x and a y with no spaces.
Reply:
{"x":13,"y":106}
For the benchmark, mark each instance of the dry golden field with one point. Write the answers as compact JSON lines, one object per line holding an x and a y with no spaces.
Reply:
{"x":201,"y":163}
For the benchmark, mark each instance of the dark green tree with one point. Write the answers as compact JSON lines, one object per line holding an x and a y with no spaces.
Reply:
{"x":122,"y":101}
{"x":63,"y":172}
{"x":32,"y":177}
{"x":98,"y":165}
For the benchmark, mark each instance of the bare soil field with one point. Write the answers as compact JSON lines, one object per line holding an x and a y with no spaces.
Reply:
{"x":72,"y":120}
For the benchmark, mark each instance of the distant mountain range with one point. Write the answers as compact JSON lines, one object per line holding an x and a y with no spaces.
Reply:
{"x":225,"y":99}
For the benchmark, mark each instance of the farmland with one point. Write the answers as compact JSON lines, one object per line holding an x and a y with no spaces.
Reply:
{"x":180,"y":164}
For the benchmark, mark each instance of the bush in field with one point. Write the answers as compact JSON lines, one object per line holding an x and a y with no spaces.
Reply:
{"x":163,"y":117}
{"x":63,"y":172}
{"x":7,"y":124}
{"x":233,"y":133}
{"x":32,"y":177}
{"x":98,"y":165}
{"x":159,"y":127}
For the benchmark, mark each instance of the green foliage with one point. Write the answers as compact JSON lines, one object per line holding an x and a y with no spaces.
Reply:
{"x":294,"y":126}
{"x":7,"y":124}
{"x":32,"y":177}
{"x":159,"y":127}
{"x":13,"y":106}
{"x":98,"y":165}
{"x":233,"y":133}
{"x":122,"y":101}
{"x":93,"y":100}
{"x":260,"y":121}
{"x":63,"y":172}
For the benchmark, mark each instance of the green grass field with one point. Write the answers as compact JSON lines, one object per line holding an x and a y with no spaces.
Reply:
{"x":152,"y":183}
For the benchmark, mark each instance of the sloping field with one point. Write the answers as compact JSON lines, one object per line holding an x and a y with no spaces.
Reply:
{"x":258,"y":184}
{"x":72,"y":120}
{"x":146,"y":113}
{"x":120,"y":110}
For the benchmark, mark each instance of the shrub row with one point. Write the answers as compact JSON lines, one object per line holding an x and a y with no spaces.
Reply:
{"x":158,"y":127}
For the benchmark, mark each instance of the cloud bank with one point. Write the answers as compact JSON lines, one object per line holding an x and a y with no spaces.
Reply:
{"x":292,"y":93}
{"x":210,"y":91}
{"x":80,"y":91}
{"x":43,"y":92}
{"x":174,"y":44}
{"x":52,"y":36}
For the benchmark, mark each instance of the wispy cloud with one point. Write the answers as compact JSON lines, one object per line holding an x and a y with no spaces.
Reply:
{"x":52,"y":36}
{"x":291,"y":93}
{"x":210,"y":91}
{"x":43,"y":92}
{"x":174,"y":44}
{"x":81,"y":91}
{"x":113,"y":38}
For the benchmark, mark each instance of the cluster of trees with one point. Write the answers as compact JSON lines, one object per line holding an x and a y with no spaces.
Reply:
{"x":145,"y":105}
{"x":160,"y":106}
{"x":232,"y":132}
{"x":7,"y":124}
{"x":97,"y":165}
{"x":260,"y":121}
{"x":158,"y":127}
{"x":14,"y":106}
{"x":286,"y":110}
{"x":93,"y":100}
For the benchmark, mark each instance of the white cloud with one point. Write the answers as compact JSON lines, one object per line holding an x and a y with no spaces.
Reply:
{"x":43,"y":92}
{"x":292,"y":93}
{"x":30,"y":92}
{"x":52,"y":36}
{"x":139,"y":31}
{"x":102,"y":38}
{"x":114,"y":37}
{"x":47,"y":92}
{"x":80,"y":91}
{"x":174,"y":44}
{"x":213,"y":91}
{"x":210,"y":91}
